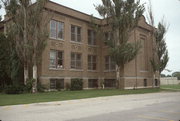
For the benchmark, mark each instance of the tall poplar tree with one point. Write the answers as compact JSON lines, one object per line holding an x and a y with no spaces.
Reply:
{"x":122,"y":17}
{"x":28,"y":24}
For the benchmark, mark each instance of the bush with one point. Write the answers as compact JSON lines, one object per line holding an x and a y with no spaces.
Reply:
{"x":178,"y":77}
{"x":76,"y":84}
{"x":29,"y":85}
{"x":1,"y":89}
{"x":14,"y":89}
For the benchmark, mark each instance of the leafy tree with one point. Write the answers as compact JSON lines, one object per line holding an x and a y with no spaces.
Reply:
{"x":0,"y":16}
{"x":17,"y":11}
{"x":176,"y":74}
{"x":160,"y":52}
{"x":161,"y":58}
{"x":122,"y":17}
{"x":4,"y":61}
{"x":29,"y":30}
{"x":10,"y":66}
{"x":39,"y":35}
{"x":163,"y":75}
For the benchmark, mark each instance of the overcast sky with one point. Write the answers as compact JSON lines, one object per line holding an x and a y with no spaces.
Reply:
{"x":167,"y":9}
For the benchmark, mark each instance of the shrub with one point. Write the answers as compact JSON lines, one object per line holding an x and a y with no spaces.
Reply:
{"x":29,"y":85}
{"x":14,"y":89}
{"x":1,"y":89}
{"x":178,"y":77}
{"x":76,"y":84}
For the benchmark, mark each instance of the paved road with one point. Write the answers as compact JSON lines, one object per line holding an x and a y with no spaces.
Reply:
{"x":141,"y":107}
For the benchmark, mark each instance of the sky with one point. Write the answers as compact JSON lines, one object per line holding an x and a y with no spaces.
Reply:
{"x":167,"y":9}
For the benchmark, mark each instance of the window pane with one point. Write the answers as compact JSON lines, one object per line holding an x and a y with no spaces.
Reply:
{"x":78,"y":30}
{"x":89,"y":37}
{"x":73,"y":65}
{"x":89,"y":66}
{"x":60,"y":84}
{"x":60,"y":60}
{"x":78,"y":34}
{"x":110,"y":83}
{"x":94,"y":38}
{"x":94,"y":59}
{"x":53,"y":59}
{"x":94,"y":66}
{"x":78,"y":57}
{"x":113,"y":64}
{"x":53,"y":29}
{"x":92,"y":83}
{"x":78,"y":38}
{"x":72,"y":56}
{"x":78,"y":64}
{"x":60,"y":31}
{"x":52,"y":84}
{"x":72,"y":33}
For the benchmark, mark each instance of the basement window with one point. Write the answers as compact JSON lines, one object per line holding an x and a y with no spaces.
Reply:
{"x":145,"y":82}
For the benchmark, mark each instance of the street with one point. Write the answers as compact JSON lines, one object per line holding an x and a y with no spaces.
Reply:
{"x":164,"y":106}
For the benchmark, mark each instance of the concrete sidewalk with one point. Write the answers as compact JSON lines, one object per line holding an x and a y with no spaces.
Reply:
{"x":75,"y":109}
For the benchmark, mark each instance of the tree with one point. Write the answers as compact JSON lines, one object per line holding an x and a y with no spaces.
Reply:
{"x":17,"y":11}
{"x":10,"y":66}
{"x":4,"y":61}
{"x":153,"y":61}
{"x":39,"y":35}
{"x":161,"y":58}
{"x":160,"y":53}
{"x":0,"y":16}
{"x":122,"y":17}
{"x":29,"y":29}
{"x":176,"y":74}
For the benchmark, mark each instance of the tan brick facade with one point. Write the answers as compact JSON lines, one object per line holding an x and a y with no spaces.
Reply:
{"x":136,"y":73}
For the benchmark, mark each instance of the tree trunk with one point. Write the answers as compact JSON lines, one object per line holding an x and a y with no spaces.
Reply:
{"x":26,"y":73}
{"x":34,"y":88}
{"x":154,"y":77}
{"x":159,"y":79}
{"x":117,"y":76}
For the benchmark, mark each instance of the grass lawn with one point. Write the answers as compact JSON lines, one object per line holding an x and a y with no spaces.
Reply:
{"x":171,"y":86}
{"x":66,"y":95}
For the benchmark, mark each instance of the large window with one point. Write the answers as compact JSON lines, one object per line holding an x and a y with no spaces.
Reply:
{"x":56,"y":83}
{"x":56,"y":59}
{"x":75,"y":33}
{"x":92,"y":83}
{"x":92,"y":62}
{"x":109,"y":63}
{"x":76,"y":60}
{"x":56,"y":29}
{"x":91,"y":37}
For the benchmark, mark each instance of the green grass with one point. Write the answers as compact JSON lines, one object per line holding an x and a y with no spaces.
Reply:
{"x":171,"y":86}
{"x":66,"y":95}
